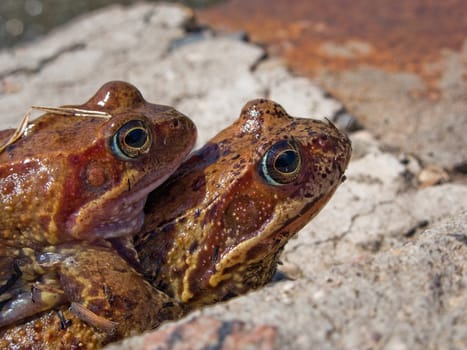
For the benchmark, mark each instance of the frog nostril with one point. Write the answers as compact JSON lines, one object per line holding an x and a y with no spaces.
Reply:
{"x":175,"y":124}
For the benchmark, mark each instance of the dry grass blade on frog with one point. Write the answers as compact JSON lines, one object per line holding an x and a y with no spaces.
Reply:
{"x":18,"y":132}
{"x":68,"y":111}
{"x":74,"y":112}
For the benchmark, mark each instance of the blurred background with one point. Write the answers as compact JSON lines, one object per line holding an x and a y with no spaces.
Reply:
{"x":25,"y":20}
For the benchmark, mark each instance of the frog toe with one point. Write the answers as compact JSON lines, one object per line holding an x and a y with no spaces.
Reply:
{"x":93,"y":319}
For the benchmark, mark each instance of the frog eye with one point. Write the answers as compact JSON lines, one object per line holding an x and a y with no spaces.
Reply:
{"x":281,"y":163}
{"x":132,"y":140}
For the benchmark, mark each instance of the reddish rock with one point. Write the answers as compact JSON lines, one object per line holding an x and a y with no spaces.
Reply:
{"x":211,"y":333}
{"x":398,"y":66}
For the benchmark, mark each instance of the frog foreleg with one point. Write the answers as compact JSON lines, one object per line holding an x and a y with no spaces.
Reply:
{"x":106,"y":292}
{"x":30,"y":303}
{"x":23,"y":298}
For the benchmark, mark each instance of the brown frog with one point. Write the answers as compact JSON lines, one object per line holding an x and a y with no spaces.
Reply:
{"x":85,"y":177}
{"x":216,"y":228}
{"x":79,"y":173}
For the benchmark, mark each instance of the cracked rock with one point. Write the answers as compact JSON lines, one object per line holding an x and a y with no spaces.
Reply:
{"x":208,"y":79}
{"x":381,"y":267}
{"x":409,"y":297}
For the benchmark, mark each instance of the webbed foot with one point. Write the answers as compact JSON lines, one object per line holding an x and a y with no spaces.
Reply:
{"x":106,"y":292}
{"x":29,"y":289}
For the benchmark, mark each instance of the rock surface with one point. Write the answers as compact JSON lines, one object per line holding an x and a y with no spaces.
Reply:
{"x":206,"y":333}
{"x":147,"y":45}
{"x":409,"y":297}
{"x":382,"y":267}
{"x":399,"y":66}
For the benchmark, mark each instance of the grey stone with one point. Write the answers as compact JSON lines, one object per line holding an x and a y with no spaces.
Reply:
{"x":206,"y":333}
{"x":363,"y":273}
{"x":392,"y":107}
{"x":409,"y":297}
{"x":300,"y":96}
{"x":209,"y":80}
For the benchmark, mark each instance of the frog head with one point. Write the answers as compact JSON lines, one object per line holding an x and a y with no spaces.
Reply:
{"x":218,"y":225}
{"x":87,"y":175}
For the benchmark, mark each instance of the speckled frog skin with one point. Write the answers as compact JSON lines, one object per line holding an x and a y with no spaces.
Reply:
{"x":73,"y":177}
{"x":79,"y":178}
{"x":216,"y":228}
{"x":228,"y":211}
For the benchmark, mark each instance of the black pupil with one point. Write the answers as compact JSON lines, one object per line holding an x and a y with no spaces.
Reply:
{"x":287,"y":162}
{"x":136,"y":138}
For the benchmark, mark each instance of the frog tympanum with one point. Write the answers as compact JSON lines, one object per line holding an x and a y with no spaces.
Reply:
{"x":216,"y":227}
{"x":79,"y":174}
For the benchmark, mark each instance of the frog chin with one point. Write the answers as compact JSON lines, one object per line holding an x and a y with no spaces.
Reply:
{"x":128,"y":224}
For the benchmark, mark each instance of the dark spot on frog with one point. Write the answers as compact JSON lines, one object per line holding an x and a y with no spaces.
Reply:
{"x":168,"y":304}
{"x":99,"y":306}
{"x":210,"y":153}
{"x":215,"y":256}
{"x":193,"y":247}
{"x":175,"y":124}
{"x":199,"y":183}
{"x":228,"y":296}
{"x":108,"y":294}
{"x":10,"y":150}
